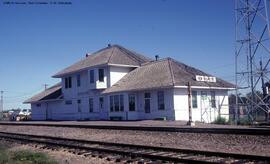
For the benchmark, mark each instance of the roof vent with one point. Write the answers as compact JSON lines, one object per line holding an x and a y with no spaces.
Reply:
{"x":86,"y":55}
{"x":157,"y":57}
{"x":109,"y":45}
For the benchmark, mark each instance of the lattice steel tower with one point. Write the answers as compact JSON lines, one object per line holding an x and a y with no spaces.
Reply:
{"x":252,"y":57}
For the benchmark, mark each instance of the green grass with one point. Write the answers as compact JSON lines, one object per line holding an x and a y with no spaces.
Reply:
{"x":3,"y":156}
{"x":24,"y":157}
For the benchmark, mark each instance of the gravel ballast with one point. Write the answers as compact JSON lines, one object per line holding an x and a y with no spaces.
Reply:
{"x":246,"y":144}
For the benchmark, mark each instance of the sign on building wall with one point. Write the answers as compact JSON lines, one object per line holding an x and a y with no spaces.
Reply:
{"x":206,"y":78}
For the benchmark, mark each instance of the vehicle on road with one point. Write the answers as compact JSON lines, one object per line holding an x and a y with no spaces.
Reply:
{"x":21,"y":115}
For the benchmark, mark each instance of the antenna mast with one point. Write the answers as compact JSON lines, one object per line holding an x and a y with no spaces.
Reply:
{"x":252,"y":57}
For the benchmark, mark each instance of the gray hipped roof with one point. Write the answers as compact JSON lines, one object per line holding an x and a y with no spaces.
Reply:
{"x":163,"y":74}
{"x":114,"y":54}
{"x":52,"y":93}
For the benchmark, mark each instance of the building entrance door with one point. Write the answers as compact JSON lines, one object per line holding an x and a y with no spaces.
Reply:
{"x":48,"y":112}
{"x":147,"y":102}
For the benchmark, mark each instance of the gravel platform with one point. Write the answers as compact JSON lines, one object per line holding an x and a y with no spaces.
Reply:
{"x":143,"y":123}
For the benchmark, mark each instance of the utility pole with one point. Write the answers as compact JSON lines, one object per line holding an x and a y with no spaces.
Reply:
{"x":2,"y":105}
{"x":189,"y":107}
{"x":45,"y":86}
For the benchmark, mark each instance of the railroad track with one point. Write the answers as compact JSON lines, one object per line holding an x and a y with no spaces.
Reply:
{"x":240,"y":131}
{"x":135,"y":152}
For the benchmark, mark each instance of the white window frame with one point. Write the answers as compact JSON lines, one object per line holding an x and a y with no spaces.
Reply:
{"x":78,"y":79}
{"x":147,"y":98}
{"x":103,"y":74}
{"x":129,"y":96}
{"x":194,"y":96}
{"x":112,"y":99}
{"x":158,"y":100}
{"x":91,"y":106}
{"x":68,"y":82}
{"x":213,"y":99}
{"x":79,"y":101}
{"x":90,"y":79}
{"x":101,"y":106}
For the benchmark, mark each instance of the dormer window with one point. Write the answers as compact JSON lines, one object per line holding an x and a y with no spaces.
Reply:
{"x":78,"y":80}
{"x":68,"y":82}
{"x":92,"y":76}
{"x":101,"y":75}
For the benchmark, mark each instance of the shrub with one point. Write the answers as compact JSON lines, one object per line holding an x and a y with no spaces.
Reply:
{"x":244,"y":121}
{"x":220,"y":120}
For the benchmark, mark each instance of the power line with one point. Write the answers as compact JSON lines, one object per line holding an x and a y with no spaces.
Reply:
{"x":23,"y":94}
{"x":222,"y":66}
{"x":17,"y":99}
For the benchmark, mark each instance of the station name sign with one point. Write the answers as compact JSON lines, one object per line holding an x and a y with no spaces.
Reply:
{"x":206,"y":78}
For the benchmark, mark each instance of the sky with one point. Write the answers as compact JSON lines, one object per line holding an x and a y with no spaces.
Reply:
{"x":38,"y":40}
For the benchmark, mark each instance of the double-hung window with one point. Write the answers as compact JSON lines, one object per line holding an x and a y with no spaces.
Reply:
{"x":111,"y":103}
{"x":147,"y":102}
{"x":68,"y":82}
{"x":101,"y":102}
{"x":194,"y":99}
{"x":213,"y":99}
{"x":79,"y":105}
{"x":131,"y":102}
{"x":121,"y":103}
{"x":91,"y":104}
{"x":160,"y":97}
{"x":204,"y":95}
{"x":78,"y":80}
{"x":92,"y":76}
{"x":101,"y":75}
{"x":116,"y":103}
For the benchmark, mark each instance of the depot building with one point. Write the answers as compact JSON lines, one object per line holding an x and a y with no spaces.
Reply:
{"x":118,"y":83}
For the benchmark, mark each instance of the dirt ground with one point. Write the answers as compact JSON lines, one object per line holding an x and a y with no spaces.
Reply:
{"x":246,"y":144}
{"x":61,"y":156}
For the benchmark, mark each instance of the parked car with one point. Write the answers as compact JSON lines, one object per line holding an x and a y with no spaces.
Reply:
{"x":24,"y":114}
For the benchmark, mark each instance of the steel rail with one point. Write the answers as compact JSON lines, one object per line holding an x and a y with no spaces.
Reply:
{"x":69,"y":143}
{"x":240,"y":131}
